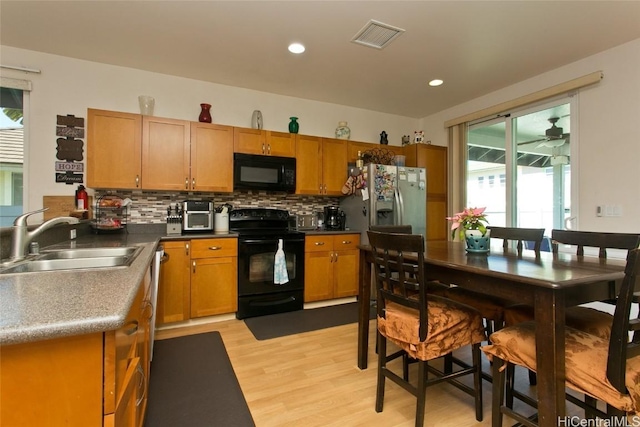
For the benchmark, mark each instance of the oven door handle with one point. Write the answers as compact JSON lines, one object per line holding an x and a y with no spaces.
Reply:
{"x":269,"y":241}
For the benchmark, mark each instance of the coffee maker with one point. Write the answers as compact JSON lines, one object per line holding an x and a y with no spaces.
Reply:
{"x":334,"y":218}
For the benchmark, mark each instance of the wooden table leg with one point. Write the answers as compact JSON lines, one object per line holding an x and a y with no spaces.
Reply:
{"x":364,"y":295}
{"x":550,"y":351}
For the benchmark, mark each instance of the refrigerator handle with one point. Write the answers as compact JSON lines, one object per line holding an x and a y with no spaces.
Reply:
{"x":400,"y":204}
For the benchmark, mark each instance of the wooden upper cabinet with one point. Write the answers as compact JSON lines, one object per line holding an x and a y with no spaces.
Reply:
{"x":334,"y":166}
{"x":211,"y":158}
{"x":264,"y":142}
{"x":353,"y":147}
{"x":281,"y":144}
{"x":165,"y":154}
{"x":249,"y":141}
{"x":114,"y":142}
{"x":308,"y":164}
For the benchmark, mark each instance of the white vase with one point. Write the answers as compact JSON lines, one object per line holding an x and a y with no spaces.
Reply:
{"x":256,"y":119}
{"x":343,"y":131}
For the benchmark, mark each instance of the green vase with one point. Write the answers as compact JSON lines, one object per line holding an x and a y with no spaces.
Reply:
{"x":294,"y":125}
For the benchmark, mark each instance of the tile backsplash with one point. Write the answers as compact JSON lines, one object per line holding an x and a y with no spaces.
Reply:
{"x":149,"y":207}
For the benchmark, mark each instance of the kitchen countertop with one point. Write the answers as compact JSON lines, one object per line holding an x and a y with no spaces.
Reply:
{"x":45,"y":305}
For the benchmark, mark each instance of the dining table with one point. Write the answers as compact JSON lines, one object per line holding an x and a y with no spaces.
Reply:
{"x":546,"y":281}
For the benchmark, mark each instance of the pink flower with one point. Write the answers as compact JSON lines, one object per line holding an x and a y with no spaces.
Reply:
{"x":468,"y":219}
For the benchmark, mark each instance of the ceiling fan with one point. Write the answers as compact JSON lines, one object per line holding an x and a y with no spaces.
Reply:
{"x":554,"y":136}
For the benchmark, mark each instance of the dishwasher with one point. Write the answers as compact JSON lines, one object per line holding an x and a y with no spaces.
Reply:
{"x":155,"y":279}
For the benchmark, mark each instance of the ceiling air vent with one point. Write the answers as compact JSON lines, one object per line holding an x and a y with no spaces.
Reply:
{"x":376,"y":34}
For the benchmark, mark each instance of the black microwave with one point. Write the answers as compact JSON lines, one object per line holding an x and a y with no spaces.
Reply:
{"x":272,"y":173}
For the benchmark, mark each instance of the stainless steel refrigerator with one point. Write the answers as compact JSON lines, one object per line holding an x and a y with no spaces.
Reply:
{"x":393,"y":195}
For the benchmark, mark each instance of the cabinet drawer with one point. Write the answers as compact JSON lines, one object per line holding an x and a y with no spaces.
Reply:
{"x":213,"y":248}
{"x":345,"y":242}
{"x":318,"y":243}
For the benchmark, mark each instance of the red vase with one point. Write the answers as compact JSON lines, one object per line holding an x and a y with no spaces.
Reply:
{"x":205,"y":114}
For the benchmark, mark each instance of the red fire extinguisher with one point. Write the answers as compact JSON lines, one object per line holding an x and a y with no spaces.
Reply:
{"x":82,"y":199}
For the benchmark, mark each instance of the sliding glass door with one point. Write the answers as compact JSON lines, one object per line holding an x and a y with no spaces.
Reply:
{"x":519,"y":167}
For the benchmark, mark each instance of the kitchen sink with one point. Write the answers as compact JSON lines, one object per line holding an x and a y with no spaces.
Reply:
{"x":76,"y":259}
{"x":126,"y":251}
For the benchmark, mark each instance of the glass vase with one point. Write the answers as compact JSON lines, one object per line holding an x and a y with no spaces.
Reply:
{"x":294,"y":125}
{"x":343,"y":131}
{"x":205,"y":114}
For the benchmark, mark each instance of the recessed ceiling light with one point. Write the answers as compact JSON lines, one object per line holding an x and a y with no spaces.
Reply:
{"x":296,"y":48}
{"x":435,"y":82}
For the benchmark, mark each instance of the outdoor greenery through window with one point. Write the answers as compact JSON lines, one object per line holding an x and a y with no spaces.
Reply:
{"x":11,"y":155}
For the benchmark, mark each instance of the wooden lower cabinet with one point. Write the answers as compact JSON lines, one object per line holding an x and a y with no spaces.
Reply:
{"x":199,"y":277}
{"x":331,"y":266}
{"x":174,"y":288}
{"x":86,"y":380}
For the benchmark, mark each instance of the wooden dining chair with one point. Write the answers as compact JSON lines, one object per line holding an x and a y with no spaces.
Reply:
{"x":587,"y":319}
{"x":421,"y":325}
{"x":400,"y":229}
{"x":603,"y":370}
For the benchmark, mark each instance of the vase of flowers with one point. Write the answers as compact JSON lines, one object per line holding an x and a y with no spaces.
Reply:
{"x":471,"y":225}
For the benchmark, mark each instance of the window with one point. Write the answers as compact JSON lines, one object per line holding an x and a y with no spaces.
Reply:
{"x":11,"y":154}
{"x":530,"y":153}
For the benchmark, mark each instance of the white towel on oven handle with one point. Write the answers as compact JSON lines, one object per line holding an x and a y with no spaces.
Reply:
{"x":280,"y":276}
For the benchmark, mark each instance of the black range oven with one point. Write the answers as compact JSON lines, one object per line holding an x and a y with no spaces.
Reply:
{"x":259,"y":232}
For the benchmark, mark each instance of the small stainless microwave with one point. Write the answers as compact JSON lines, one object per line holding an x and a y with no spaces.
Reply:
{"x":197,"y":215}
{"x":272,"y":173}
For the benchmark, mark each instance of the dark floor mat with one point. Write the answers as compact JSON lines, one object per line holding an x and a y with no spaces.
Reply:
{"x":193,"y":385}
{"x":296,"y":322}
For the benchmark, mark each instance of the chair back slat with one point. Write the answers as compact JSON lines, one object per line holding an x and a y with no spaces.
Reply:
{"x":518,"y":235}
{"x":400,"y":279}
{"x":401,"y":229}
{"x":620,"y":349}
{"x":594,"y":239}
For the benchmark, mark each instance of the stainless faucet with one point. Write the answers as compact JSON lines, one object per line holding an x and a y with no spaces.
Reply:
{"x":22,"y":236}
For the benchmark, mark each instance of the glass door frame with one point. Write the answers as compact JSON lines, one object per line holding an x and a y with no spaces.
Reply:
{"x":511,"y":153}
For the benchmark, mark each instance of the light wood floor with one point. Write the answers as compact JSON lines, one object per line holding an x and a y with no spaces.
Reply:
{"x":311,"y":379}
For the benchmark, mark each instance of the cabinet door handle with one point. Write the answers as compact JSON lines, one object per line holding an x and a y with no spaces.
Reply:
{"x":263,"y":151}
{"x":132,"y":329}
{"x":137,"y":181}
{"x":194,"y":266}
{"x":186,"y":183}
{"x":215,"y":248}
{"x":320,"y":188}
{"x":319,"y":243}
{"x":193,"y":184}
{"x":336,"y":254}
{"x":268,"y":148}
{"x":325,"y":189}
{"x":186,"y":248}
{"x":346,"y":242}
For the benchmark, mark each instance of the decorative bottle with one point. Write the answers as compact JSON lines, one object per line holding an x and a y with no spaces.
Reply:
{"x":343,"y":131}
{"x":294,"y":125}
{"x":205,"y":114}
{"x":256,"y":119}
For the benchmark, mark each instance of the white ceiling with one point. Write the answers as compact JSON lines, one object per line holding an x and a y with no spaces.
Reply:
{"x":476,"y":47}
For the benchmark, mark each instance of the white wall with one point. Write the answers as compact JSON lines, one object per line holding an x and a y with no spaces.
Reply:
{"x":607,"y":132}
{"x":607,"y":136}
{"x":70,"y":86}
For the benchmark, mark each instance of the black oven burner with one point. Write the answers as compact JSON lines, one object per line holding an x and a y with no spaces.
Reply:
{"x":259,"y":232}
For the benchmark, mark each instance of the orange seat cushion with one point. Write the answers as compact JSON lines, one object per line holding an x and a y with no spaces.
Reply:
{"x":586,"y":319}
{"x":585,"y":363}
{"x":450,"y":326}
{"x":489,"y":307}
